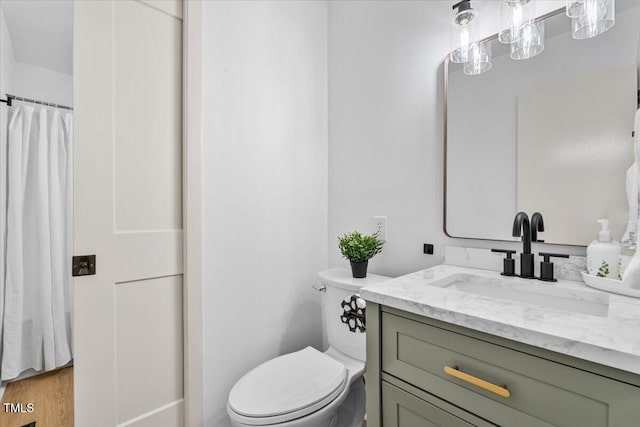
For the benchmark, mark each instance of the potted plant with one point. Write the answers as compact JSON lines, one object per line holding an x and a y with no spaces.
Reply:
{"x":359,"y":249}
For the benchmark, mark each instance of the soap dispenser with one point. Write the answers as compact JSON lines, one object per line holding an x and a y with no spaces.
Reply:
{"x":602,"y":254}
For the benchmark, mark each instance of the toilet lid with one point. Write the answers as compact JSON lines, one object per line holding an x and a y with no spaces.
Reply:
{"x":297,"y":383}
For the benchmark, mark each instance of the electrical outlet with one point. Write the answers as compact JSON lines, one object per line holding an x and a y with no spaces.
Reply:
{"x":381,"y":227}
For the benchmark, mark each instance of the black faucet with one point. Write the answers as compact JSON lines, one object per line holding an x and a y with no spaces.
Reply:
{"x":522,"y":228}
{"x":537,"y":226}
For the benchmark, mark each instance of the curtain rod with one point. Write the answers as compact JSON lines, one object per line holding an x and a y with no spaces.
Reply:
{"x":11,"y":98}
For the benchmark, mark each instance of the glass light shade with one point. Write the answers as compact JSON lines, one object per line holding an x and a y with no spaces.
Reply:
{"x":598,"y":17}
{"x":578,"y":8}
{"x":531,"y":42}
{"x":513,"y":14}
{"x":575,"y":8}
{"x":479,"y":60}
{"x":463,"y":34}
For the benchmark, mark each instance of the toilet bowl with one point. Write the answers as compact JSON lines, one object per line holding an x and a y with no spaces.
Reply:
{"x":304,"y":388}
{"x":309,"y":388}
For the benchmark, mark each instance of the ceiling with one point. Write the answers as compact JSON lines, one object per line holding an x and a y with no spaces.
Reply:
{"x":41,"y":32}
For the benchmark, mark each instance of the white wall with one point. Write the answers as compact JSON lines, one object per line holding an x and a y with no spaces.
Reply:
{"x":42,"y":84}
{"x":638,"y":60}
{"x":6,"y":57}
{"x":29,"y":81}
{"x":385,"y":129}
{"x":265,"y":186}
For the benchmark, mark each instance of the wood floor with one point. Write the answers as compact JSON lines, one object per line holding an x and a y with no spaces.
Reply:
{"x":52,"y":398}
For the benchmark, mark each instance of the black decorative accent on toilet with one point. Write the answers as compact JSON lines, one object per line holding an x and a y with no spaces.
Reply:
{"x":354,"y":313}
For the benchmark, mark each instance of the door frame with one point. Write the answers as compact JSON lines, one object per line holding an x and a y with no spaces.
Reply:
{"x":192,"y":214}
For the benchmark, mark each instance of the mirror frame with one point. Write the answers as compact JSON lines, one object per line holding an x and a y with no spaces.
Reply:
{"x":445,"y":113}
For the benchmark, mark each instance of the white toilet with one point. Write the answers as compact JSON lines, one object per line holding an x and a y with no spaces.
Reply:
{"x":309,"y":388}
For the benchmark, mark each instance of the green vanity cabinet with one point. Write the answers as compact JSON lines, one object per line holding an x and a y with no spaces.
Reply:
{"x":423,"y":372}
{"x":402,"y":409}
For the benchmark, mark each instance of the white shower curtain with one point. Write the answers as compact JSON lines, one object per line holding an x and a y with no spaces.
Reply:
{"x":35,"y":237}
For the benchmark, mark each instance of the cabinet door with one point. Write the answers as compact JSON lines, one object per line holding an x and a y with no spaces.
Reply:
{"x":401,"y":409}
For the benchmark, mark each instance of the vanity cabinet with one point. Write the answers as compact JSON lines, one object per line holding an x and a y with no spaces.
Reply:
{"x":423,"y":372}
{"x":403,"y":409}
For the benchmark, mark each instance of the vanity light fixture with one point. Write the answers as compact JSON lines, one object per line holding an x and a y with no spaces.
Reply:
{"x":590,"y":18}
{"x":479,"y":60}
{"x":513,"y":15}
{"x":463,"y":31}
{"x":575,"y":8}
{"x":531,"y":41}
{"x":521,"y":30}
{"x":465,"y":47}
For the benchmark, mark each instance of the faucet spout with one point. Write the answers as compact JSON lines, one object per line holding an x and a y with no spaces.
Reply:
{"x":522,"y":228}
{"x":537,"y":226}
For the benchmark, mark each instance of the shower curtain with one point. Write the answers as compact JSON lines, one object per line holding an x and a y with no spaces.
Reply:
{"x":35,"y":240}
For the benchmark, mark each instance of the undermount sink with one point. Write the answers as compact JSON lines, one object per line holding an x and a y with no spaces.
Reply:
{"x":529,"y":292}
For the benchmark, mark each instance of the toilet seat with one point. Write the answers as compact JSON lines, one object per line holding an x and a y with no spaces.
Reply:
{"x":287,"y":387}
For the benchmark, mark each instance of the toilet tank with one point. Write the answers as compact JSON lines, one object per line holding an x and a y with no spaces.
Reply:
{"x":340,"y":284}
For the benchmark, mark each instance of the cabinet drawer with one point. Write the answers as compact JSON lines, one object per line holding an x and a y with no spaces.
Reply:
{"x":401,"y":409}
{"x":541,"y":392}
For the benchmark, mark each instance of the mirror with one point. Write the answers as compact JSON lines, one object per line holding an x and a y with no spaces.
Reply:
{"x":36,"y":127}
{"x":551,"y":134}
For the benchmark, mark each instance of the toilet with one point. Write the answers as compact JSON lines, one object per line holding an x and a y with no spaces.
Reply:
{"x":309,"y":388}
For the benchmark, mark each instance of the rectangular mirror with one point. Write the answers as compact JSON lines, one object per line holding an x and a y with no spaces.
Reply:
{"x":550,"y":134}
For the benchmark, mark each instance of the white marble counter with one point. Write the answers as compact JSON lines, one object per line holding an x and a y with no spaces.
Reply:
{"x":610,"y":337}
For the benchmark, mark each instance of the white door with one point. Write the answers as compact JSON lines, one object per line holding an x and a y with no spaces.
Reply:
{"x":128,"y":212}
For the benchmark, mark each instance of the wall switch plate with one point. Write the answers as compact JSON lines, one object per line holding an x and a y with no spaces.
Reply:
{"x":427,"y":248}
{"x":381,"y":227}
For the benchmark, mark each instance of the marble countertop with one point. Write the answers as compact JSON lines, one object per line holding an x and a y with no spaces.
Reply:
{"x":611,"y":337}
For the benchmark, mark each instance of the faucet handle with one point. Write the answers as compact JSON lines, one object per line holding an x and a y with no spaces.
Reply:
{"x":547,"y":255}
{"x":509,"y":264}
{"x":546,"y":266}
{"x":509,"y":252}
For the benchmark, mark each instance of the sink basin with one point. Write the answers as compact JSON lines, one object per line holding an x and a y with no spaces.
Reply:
{"x":529,"y":292}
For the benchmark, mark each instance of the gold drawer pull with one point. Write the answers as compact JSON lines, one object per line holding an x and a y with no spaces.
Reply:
{"x":501,"y":391}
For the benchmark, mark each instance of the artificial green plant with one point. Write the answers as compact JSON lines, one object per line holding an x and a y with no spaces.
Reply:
{"x":357,"y":247}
